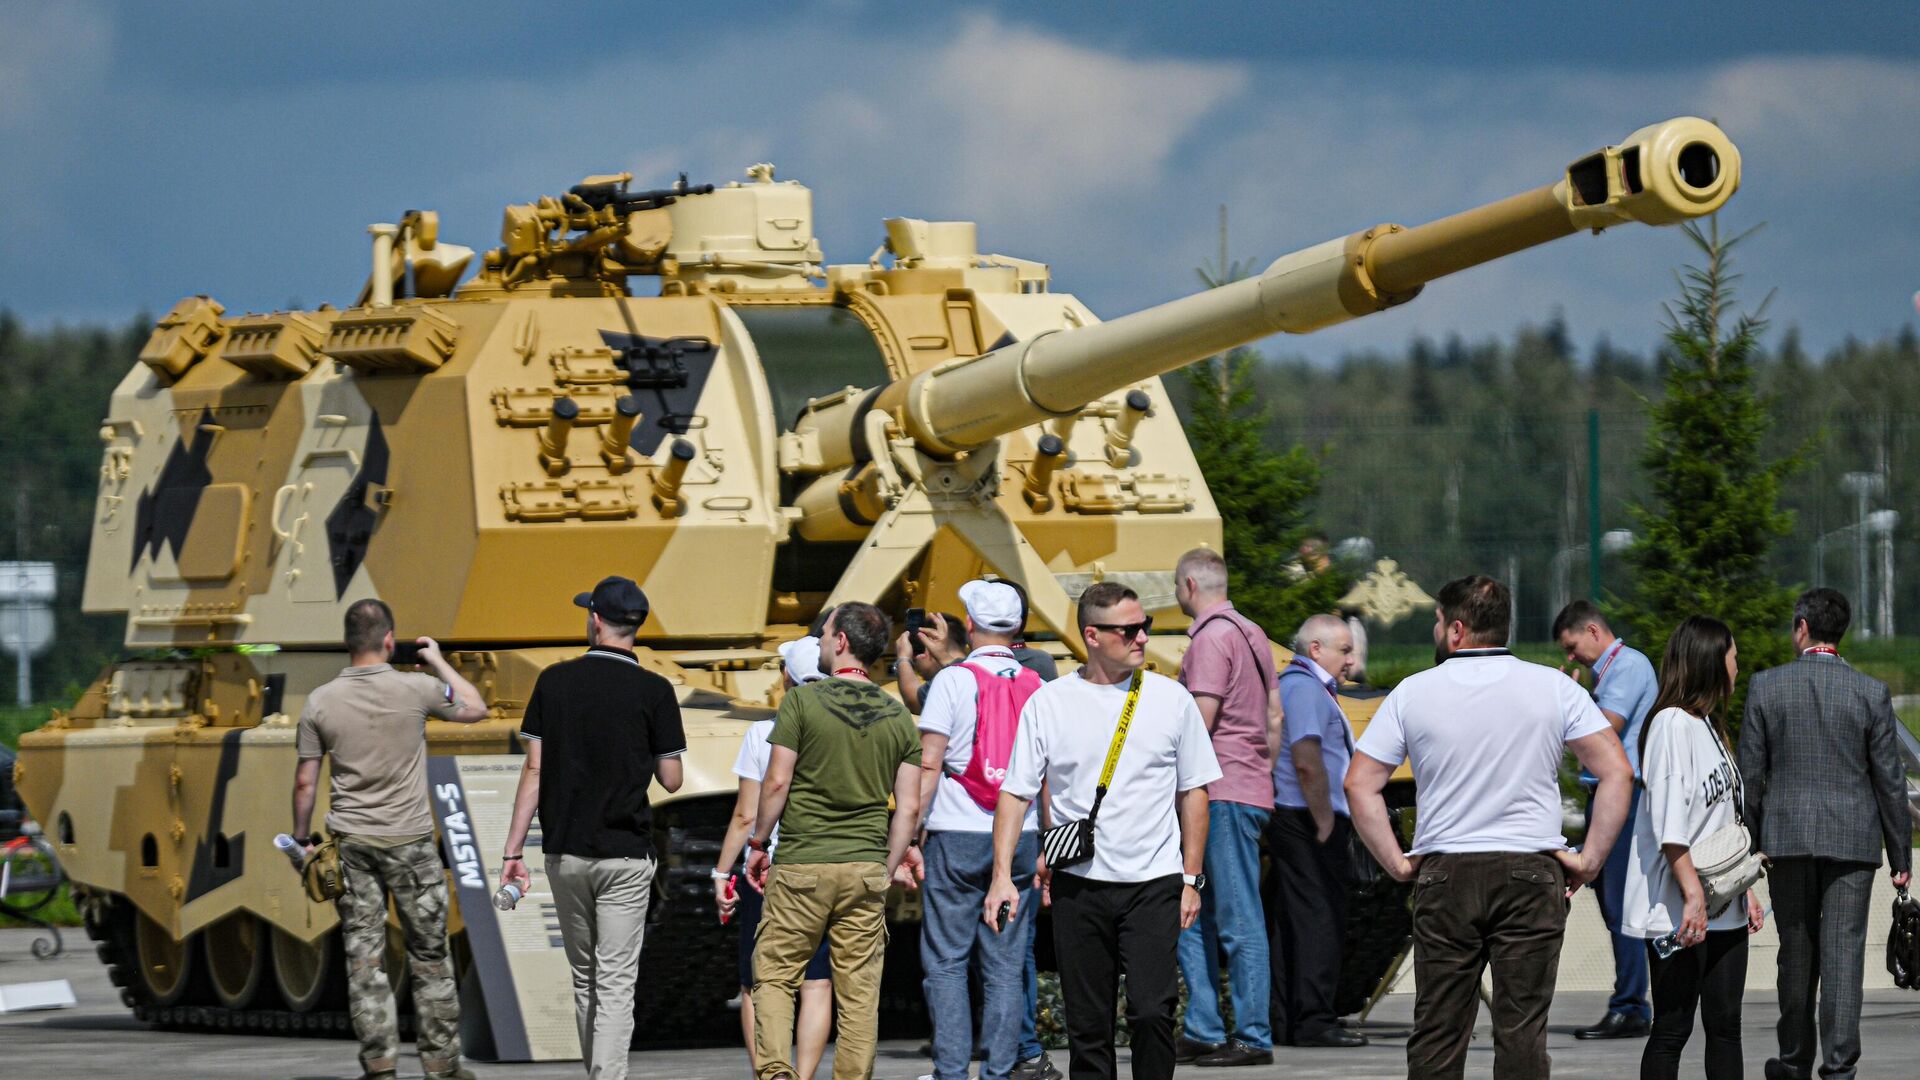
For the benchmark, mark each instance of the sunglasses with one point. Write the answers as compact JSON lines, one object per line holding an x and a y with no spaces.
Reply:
{"x":1127,"y":631}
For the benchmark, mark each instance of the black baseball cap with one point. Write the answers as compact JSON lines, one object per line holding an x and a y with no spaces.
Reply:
{"x":616,"y":598}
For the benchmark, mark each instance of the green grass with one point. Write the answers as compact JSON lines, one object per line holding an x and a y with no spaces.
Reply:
{"x":1388,"y":664}
{"x":1894,"y":661}
{"x":14,"y":720}
{"x":60,"y":911}
{"x":1911,"y":718}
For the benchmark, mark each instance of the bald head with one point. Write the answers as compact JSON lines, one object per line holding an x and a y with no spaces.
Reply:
{"x":1326,"y":641}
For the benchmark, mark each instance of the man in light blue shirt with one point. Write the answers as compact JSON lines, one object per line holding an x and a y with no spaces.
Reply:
{"x":1309,"y":835}
{"x":1624,"y":684}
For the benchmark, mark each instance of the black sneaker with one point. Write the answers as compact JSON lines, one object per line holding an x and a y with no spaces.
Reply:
{"x":1185,"y":1050}
{"x":1235,"y":1053}
{"x":1039,"y":1067}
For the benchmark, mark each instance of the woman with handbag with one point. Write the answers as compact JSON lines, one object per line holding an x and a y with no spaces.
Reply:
{"x":1692,"y":857}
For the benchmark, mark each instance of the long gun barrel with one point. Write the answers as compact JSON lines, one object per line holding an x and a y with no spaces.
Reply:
{"x":1662,"y":174}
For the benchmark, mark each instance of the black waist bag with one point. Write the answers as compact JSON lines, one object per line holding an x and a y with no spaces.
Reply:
{"x":1903,"y":942}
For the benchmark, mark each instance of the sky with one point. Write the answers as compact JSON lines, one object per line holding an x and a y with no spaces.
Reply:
{"x":152,"y":151}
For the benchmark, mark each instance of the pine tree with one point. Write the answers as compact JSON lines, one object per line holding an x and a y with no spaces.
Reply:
{"x":1715,"y":513}
{"x":1263,"y":495}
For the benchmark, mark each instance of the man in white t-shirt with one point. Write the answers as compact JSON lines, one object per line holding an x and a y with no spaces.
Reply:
{"x":1122,"y":910}
{"x":1485,"y":733}
{"x":959,"y":850}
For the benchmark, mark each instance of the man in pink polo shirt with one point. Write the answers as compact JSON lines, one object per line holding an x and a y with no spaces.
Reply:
{"x":1229,"y":671}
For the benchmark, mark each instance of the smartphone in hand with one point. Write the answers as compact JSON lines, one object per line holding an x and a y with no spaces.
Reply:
{"x":916,"y":622}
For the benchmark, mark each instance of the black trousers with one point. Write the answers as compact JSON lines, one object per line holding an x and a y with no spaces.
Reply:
{"x":1711,"y":976}
{"x":1101,"y":929}
{"x":1820,"y":908}
{"x":1306,"y":923}
{"x":1469,"y":909}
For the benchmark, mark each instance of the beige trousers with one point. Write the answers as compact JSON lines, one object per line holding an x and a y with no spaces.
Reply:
{"x":603,"y":917}
{"x":847,"y":904}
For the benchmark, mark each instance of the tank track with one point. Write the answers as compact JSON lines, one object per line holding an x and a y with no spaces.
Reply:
{"x":113,"y":941}
{"x":1379,"y":918}
{"x":688,"y":961}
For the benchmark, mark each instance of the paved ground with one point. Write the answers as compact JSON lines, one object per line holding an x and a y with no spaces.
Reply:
{"x":99,"y":1039}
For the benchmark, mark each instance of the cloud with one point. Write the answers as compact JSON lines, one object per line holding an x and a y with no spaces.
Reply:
{"x":1107,"y":162}
{"x":1818,"y":118}
{"x":49,"y":52}
{"x":1828,"y":146}
{"x":1046,"y":121}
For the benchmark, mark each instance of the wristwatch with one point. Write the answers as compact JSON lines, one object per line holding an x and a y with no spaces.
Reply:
{"x":1196,"y":881}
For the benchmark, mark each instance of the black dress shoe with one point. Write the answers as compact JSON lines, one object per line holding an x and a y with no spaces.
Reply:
{"x":1235,"y":1053}
{"x":1615,"y":1026}
{"x":1185,"y":1050}
{"x":1333,"y":1036}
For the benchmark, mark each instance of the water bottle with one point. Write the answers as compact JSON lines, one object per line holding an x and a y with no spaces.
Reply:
{"x":507,"y":897}
{"x":294,"y":850}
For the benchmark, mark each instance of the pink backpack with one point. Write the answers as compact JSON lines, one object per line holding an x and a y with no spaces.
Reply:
{"x":1000,"y":702}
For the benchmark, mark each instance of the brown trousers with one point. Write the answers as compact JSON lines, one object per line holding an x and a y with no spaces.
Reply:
{"x":1469,"y":909}
{"x":846,"y":903}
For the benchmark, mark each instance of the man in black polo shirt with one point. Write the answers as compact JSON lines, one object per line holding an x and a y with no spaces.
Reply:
{"x":605,"y":727}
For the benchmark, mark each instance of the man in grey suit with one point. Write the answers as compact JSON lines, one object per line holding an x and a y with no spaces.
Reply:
{"x":1825,"y":787}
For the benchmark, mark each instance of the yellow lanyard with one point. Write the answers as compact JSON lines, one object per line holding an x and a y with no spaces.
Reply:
{"x":1120,"y":733}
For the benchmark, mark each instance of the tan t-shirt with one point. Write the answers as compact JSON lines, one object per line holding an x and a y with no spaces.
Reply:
{"x":371,"y":721}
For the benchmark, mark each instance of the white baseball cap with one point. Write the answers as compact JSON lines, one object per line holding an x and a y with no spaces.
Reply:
{"x":993,"y":606}
{"x":802,"y":659}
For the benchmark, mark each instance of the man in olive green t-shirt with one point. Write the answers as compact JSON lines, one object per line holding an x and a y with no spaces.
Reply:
{"x":841,"y":747}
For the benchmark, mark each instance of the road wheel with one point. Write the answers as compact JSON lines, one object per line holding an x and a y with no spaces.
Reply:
{"x":164,"y":966}
{"x":308,"y":975}
{"x":235,"y":950}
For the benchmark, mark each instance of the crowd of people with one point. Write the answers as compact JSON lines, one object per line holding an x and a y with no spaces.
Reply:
{"x":1140,"y":809}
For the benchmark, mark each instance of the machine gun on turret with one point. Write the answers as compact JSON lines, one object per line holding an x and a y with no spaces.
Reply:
{"x":601,"y":192}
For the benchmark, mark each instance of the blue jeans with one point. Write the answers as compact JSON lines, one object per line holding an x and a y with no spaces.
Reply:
{"x":1030,"y":1047}
{"x":1231,"y":919}
{"x":959,"y":869}
{"x":1630,"y":979}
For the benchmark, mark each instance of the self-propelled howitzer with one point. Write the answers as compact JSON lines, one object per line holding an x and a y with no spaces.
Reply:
{"x":762,"y":436}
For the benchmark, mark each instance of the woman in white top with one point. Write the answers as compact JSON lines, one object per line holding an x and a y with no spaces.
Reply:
{"x":1691,"y":790}
{"x":734,"y":897}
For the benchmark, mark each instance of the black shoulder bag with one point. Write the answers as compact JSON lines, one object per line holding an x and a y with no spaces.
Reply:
{"x":1070,"y":843}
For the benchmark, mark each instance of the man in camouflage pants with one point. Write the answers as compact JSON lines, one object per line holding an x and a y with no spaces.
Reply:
{"x":371,"y":722}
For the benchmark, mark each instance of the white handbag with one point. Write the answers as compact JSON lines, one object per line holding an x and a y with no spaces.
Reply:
{"x":1725,"y":860}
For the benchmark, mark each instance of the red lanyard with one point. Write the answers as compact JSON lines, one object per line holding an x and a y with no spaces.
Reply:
{"x":860,"y":671}
{"x":1823,"y":650}
{"x":1004,"y":654}
{"x":1612,"y":655}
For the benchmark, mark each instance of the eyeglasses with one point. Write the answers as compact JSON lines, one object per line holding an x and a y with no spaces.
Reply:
{"x":1127,"y":631}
